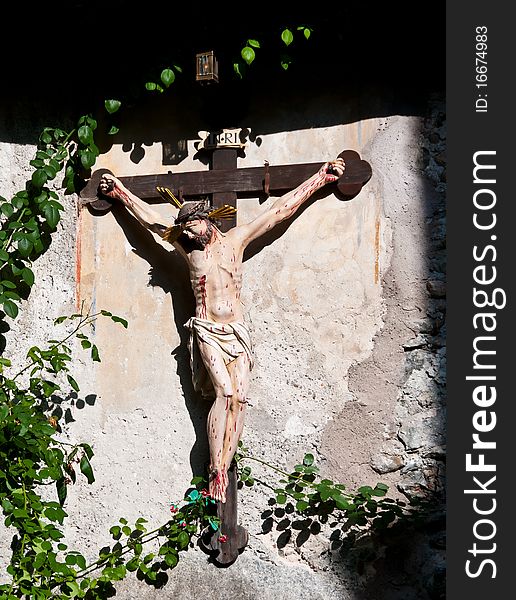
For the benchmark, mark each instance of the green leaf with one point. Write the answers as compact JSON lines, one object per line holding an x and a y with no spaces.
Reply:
{"x":27,"y":276}
{"x":89,"y":453}
{"x":237,"y":68}
{"x":248,"y":54}
{"x":45,"y":137}
{"x":50,"y":171}
{"x":39,"y":178}
{"x":171,"y":560}
{"x":150,"y":85}
{"x":73,"y":383}
{"x":10,"y":296}
{"x":286,"y":61}
{"x":183,"y":540}
{"x":342,"y":503}
{"x":167,"y":77}
{"x":10,"y":308}
{"x":245,"y":474}
{"x":52,"y":215}
{"x":87,"y":159}
{"x":253,"y":43}
{"x":119,"y":320}
{"x":74,"y":588}
{"x":3,"y":255}
{"x":301,"y":505}
{"x":325,"y":493}
{"x":80,"y":560}
{"x":193,"y":495}
{"x":85,"y":344}
{"x":86,"y":469}
{"x":287,"y":36}
{"x":87,"y":120}
{"x":39,"y":560}
{"x":308,"y":460}
{"x":7,"y":209}
{"x":213,"y":524}
{"x":95,"y":354}
{"x":85,"y":135}
{"x":307,"y":32}
{"x":112,"y":105}
{"x":61,"y":490}
{"x":113,"y":130}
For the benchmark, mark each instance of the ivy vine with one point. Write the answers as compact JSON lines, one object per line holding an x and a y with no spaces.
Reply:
{"x":302,"y":501}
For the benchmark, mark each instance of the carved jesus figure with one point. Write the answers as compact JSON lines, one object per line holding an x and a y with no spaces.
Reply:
{"x":220,"y":345}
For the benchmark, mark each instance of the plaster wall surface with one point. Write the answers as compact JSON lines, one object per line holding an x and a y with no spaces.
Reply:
{"x":329,"y":302}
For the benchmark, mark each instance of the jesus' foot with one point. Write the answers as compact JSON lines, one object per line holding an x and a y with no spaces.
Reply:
{"x":218,"y":483}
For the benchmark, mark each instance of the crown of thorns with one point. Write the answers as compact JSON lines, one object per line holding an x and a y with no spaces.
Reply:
{"x":193,"y":210}
{"x":189,"y":211}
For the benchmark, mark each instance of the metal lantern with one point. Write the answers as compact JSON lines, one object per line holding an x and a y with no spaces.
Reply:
{"x":207,"y":68}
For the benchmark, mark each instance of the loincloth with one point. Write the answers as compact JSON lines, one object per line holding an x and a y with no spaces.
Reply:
{"x":229,"y":339}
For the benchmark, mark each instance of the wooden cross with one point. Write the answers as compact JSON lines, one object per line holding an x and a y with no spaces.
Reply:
{"x":223,"y":183}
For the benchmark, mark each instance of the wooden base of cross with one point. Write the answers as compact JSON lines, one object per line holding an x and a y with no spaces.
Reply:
{"x":224,"y":181}
{"x":225,"y":545}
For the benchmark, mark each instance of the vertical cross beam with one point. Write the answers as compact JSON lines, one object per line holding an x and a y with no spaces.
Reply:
{"x":224,"y":159}
{"x":224,"y":553}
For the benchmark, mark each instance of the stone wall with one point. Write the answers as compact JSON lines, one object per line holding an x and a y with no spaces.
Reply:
{"x":347,"y":310}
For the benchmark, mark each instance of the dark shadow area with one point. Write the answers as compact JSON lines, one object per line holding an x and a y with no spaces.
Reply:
{"x":380,"y":543}
{"x":407,"y":560}
{"x":62,"y":407}
{"x":387,"y":58}
{"x":4,"y":328}
{"x":394,"y":556}
{"x":169,"y":271}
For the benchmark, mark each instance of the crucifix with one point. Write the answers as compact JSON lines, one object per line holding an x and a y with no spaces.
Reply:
{"x":221,"y":353}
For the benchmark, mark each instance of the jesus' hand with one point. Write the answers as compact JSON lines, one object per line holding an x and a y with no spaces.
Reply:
{"x":331,"y":171}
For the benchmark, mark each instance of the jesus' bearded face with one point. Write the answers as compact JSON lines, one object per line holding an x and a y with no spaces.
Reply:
{"x":196,"y":235}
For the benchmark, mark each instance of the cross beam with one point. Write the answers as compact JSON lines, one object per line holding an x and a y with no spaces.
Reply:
{"x":224,"y":181}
